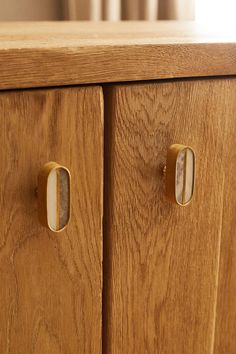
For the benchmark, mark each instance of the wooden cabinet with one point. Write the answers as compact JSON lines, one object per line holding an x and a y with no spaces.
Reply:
{"x":51,"y":283}
{"x":146,"y":275}
{"x":162,"y":259}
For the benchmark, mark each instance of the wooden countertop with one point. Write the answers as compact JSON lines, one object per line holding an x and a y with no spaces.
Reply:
{"x":37,"y":54}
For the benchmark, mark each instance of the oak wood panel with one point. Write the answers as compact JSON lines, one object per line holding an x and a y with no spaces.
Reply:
{"x":64,"y":53}
{"x":50,"y":294}
{"x":161,"y":260}
{"x":225,"y":336}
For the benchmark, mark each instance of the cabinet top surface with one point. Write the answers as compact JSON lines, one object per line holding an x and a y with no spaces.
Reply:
{"x":34,"y":54}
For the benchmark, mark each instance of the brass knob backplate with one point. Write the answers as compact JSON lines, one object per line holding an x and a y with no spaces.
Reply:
{"x":53,"y":194}
{"x":180,"y":174}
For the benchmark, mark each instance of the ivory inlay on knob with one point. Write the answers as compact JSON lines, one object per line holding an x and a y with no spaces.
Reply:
{"x":54,"y":196}
{"x":180,"y":174}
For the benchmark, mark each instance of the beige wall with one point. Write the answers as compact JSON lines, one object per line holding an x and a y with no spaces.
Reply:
{"x":13,"y":10}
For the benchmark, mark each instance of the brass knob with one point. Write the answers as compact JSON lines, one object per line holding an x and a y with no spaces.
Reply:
{"x":53,"y":194}
{"x":180,"y":174}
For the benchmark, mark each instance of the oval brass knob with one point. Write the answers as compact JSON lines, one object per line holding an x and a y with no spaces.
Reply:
{"x":54,"y":196}
{"x":180,"y":174}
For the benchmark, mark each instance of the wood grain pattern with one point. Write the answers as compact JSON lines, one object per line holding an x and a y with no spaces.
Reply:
{"x":65,"y":53}
{"x":162,"y":260}
{"x":50,"y":292}
{"x":225,"y":337}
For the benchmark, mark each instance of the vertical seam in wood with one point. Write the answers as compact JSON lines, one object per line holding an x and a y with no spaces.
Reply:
{"x":107,"y":202}
{"x":217,"y":274}
{"x":102,"y":208}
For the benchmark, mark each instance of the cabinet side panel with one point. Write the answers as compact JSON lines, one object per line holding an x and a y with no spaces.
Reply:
{"x":225,"y":337}
{"x":162,"y":259}
{"x":50,"y":292}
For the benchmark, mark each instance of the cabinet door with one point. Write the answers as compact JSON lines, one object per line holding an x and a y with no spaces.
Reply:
{"x":225,"y":333}
{"x":161,"y":259}
{"x":50,"y":293}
